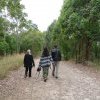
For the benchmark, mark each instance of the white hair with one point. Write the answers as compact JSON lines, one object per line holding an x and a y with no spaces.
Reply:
{"x":29,"y":51}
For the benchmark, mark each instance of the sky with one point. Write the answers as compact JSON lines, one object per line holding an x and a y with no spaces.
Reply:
{"x":42,"y":12}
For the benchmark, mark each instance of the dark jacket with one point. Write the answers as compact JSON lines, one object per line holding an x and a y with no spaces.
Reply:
{"x":56,"y":54}
{"x":28,"y":61}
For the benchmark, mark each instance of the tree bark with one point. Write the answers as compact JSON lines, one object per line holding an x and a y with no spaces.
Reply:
{"x":88,"y":47}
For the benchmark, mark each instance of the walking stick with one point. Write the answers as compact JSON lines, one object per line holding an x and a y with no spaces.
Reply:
{"x":37,"y":75}
{"x":38,"y":71}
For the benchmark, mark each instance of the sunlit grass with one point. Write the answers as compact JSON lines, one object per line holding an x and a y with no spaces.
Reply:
{"x":10,"y":63}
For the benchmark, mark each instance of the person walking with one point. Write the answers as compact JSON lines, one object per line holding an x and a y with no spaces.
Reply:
{"x":45,"y":62}
{"x":56,"y":56}
{"x":28,"y":63}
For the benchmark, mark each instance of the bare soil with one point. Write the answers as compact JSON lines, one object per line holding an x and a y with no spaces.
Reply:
{"x":75,"y":82}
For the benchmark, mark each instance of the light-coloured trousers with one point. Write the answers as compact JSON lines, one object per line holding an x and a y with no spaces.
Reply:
{"x":55,"y":68}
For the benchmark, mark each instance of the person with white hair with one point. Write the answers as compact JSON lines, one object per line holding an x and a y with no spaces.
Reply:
{"x":28,"y":63}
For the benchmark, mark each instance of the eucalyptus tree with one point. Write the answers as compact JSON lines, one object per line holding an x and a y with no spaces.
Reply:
{"x":15,"y":10}
{"x":32,"y":39}
{"x":13,"y":22}
{"x":80,"y":20}
{"x":79,"y":28}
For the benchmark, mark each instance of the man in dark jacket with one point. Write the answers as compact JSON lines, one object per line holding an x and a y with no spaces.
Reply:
{"x":56,"y":56}
{"x":28,"y":63}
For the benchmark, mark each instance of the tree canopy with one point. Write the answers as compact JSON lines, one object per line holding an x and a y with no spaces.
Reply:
{"x":77,"y":29}
{"x":17,"y":33}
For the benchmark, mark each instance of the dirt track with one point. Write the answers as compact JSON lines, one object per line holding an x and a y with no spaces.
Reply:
{"x":75,"y":82}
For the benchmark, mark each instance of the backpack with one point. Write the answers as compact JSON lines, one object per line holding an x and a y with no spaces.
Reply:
{"x":56,"y":55}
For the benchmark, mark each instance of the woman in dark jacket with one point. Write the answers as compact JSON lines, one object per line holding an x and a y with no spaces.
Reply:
{"x":28,"y":63}
{"x":45,"y":62}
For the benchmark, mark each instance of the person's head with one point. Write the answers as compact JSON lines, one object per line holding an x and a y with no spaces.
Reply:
{"x":45,"y":52}
{"x":55,"y":46}
{"x":29,"y":51}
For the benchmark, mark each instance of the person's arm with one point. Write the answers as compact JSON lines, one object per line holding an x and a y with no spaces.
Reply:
{"x":40,"y":62}
{"x":59,"y":56}
{"x":50,"y":57}
{"x":24,"y":61}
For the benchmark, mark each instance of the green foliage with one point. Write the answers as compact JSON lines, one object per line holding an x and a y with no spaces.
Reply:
{"x":77,"y":30}
{"x":4,"y":47}
{"x":32,"y":40}
{"x":17,"y":34}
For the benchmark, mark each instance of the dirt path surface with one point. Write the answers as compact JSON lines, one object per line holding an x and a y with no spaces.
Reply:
{"x":75,"y":82}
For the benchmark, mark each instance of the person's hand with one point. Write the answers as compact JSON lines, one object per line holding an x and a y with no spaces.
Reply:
{"x":33,"y":65}
{"x":24,"y":65}
{"x":39,"y":69}
{"x":53,"y":64}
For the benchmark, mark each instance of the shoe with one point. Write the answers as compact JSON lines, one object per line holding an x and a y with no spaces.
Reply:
{"x":56,"y":77}
{"x":25,"y":76}
{"x":45,"y":80}
{"x":53,"y":74}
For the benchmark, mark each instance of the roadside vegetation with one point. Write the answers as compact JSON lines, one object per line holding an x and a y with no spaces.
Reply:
{"x":77,"y":31}
{"x":17,"y":34}
{"x":8,"y":63}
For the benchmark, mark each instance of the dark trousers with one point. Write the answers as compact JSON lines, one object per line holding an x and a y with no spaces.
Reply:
{"x":28,"y":69}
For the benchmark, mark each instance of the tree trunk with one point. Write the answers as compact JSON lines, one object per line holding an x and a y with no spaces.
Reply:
{"x":88,"y":47}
